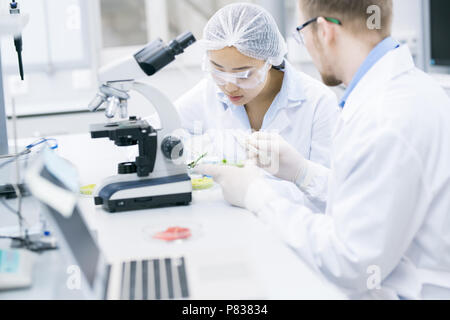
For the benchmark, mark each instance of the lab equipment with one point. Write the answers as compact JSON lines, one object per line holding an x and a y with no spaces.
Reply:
{"x":48,"y":163}
{"x":16,"y":269}
{"x":228,"y":163}
{"x":99,"y":278}
{"x":117,"y":78}
{"x":249,"y":28}
{"x":15,"y":9}
{"x":202,"y":183}
{"x":52,"y":143}
{"x":12,"y":24}
{"x":173,"y":231}
{"x":160,"y":273}
{"x":193,"y":164}
{"x":153,"y":180}
{"x":88,"y":190}
{"x":42,"y":241}
{"x":173,"y":234}
{"x":4,"y":147}
{"x":158,"y":177}
{"x":8,"y":191}
{"x":9,"y":25}
{"x":197,"y":184}
{"x":38,"y":243}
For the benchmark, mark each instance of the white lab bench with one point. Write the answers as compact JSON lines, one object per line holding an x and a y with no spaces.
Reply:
{"x":222,"y":229}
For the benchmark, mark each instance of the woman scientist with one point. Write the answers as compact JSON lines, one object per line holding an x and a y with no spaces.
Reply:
{"x":252,"y":87}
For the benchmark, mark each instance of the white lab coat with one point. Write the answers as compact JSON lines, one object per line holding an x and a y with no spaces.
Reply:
{"x":304,"y":113}
{"x":388,"y":213}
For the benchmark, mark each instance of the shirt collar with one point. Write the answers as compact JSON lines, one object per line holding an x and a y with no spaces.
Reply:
{"x":291,"y":90}
{"x":374,"y":56}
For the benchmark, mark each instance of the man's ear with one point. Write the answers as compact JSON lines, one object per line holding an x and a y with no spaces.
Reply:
{"x":326,"y":31}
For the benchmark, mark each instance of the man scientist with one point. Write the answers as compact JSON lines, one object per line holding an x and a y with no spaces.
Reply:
{"x":388,"y":189}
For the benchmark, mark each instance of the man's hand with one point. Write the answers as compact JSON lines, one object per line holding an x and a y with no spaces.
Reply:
{"x":235,"y":181}
{"x":272,"y":153}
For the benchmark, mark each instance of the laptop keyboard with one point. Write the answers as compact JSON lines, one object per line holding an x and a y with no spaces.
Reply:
{"x":158,"y":279}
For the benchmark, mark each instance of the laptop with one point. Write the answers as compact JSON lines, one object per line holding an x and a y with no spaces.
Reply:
{"x":148,"y":279}
{"x":160,"y":278}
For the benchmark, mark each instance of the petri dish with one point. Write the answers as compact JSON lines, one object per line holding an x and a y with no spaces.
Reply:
{"x":173,"y":232}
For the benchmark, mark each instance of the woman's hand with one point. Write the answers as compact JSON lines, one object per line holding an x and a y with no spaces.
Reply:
{"x":272,"y":153}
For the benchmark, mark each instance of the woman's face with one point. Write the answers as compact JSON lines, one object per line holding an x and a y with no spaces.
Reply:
{"x":230,"y":60}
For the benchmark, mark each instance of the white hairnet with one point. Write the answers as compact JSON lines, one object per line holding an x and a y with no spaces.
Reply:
{"x":250,"y":29}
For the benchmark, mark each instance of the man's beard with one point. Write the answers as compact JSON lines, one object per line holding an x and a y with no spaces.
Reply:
{"x":330,"y":80}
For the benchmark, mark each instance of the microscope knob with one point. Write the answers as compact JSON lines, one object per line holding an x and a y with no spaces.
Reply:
{"x":172,"y":148}
{"x":127,"y":168}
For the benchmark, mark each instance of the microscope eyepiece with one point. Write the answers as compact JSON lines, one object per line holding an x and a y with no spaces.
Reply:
{"x":156,"y":55}
{"x":182,"y":42}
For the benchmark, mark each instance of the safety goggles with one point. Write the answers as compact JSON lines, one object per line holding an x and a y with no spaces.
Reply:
{"x":248,"y":79}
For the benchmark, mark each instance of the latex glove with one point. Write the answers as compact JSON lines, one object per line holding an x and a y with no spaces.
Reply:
{"x":235,"y":181}
{"x":272,"y":153}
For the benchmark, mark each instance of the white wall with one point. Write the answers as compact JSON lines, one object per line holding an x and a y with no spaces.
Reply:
{"x":407,"y":26}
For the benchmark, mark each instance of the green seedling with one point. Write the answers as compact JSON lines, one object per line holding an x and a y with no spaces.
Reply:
{"x":193,"y":164}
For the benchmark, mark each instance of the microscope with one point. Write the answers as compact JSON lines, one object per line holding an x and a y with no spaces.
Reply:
{"x":159,"y":175}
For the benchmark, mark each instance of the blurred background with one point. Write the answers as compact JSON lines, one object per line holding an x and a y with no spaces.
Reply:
{"x":67,"y":41}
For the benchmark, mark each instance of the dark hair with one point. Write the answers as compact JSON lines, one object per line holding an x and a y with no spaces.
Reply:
{"x":281,"y":67}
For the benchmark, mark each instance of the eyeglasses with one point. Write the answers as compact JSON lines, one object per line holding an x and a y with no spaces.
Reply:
{"x":248,"y":79}
{"x":298,"y":35}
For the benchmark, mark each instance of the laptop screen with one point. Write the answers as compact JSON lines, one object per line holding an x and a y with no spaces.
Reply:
{"x":80,"y":241}
{"x":77,"y":235}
